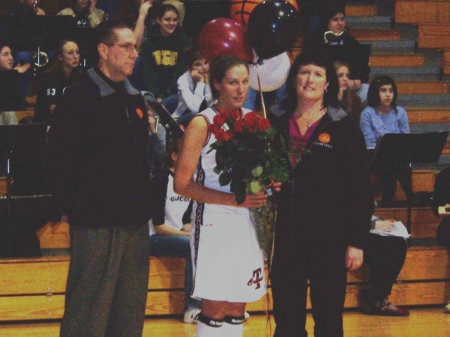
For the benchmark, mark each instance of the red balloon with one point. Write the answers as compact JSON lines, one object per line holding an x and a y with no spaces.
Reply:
{"x":224,"y":37}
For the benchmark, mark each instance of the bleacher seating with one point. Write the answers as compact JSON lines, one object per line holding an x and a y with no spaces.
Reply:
{"x":434,"y":35}
{"x":446,"y":62}
{"x":425,"y":11}
{"x":33,"y":289}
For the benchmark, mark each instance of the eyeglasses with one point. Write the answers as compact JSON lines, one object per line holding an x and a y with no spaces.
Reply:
{"x":127,"y":47}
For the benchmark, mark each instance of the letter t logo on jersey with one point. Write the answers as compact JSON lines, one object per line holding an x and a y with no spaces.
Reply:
{"x":256,"y":278}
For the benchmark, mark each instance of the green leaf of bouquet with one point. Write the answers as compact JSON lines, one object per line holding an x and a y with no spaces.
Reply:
{"x":240,"y":196}
{"x":235,"y":185}
{"x":254,"y":187}
{"x":224,"y":179}
{"x":257,"y":171}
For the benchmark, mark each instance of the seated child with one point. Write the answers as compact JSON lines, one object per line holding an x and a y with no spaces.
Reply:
{"x":170,"y":226}
{"x":194,"y":91}
{"x":158,"y":136}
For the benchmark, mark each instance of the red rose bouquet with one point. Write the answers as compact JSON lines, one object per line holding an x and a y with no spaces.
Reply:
{"x":246,"y":160}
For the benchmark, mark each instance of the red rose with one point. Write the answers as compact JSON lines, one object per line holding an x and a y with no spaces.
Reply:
{"x":238,"y":126}
{"x":234,"y":114}
{"x":222,"y":136}
{"x":224,"y":114}
{"x":252,"y":128}
{"x":219,"y":137}
{"x":250,"y":119}
{"x":263,"y":124}
{"x":219,"y":120}
{"x":211,"y":128}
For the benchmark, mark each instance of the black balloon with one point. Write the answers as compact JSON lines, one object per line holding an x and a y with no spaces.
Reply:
{"x":272,"y":28}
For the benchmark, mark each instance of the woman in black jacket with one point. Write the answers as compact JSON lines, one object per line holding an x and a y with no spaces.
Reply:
{"x":324,"y":212}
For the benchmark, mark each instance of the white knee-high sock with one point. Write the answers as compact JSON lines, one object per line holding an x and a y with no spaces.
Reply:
{"x":209,"y":327}
{"x":233,"y":326}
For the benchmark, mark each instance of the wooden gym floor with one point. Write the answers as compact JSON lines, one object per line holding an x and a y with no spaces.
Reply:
{"x":424,"y":322}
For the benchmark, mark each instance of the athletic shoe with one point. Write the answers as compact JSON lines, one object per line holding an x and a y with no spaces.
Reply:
{"x":447,"y":308}
{"x":191,"y":316}
{"x":386,"y":308}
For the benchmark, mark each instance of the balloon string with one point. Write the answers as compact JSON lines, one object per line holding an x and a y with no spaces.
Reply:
{"x":260,"y":92}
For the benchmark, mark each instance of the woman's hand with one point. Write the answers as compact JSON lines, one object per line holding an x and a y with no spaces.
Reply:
{"x":354,"y":258}
{"x":145,"y":6}
{"x":151,"y":120}
{"x":354,"y":84}
{"x":186,"y":228}
{"x":384,"y":225}
{"x":254,"y":200}
{"x":341,"y":93}
{"x":196,"y":76}
{"x":39,"y":11}
{"x":276,"y":186}
{"x":21,"y":68}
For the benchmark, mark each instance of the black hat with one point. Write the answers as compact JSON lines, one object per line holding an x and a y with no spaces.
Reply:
{"x":329,"y":12}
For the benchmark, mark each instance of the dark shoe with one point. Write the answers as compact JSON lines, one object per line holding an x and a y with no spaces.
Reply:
{"x":386,"y":308}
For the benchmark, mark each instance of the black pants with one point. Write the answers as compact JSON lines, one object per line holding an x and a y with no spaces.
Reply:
{"x":293,"y":266}
{"x":385,"y":255}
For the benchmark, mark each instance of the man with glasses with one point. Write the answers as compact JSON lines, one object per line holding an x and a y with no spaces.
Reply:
{"x":99,"y":173}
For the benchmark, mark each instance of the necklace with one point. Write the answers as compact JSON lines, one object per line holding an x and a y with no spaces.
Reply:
{"x":308,"y":123}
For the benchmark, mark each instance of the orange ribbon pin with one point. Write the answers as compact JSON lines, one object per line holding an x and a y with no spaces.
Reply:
{"x":139,"y":113}
{"x":324,"y":138}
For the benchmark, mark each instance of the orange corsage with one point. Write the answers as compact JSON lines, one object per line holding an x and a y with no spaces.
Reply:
{"x":324,"y":138}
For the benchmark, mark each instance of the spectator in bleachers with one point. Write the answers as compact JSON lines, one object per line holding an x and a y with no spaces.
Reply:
{"x":348,"y":95}
{"x":334,"y":32}
{"x":162,"y":57}
{"x":170,"y":227}
{"x":86,"y":13}
{"x":144,"y":19}
{"x":26,"y":7}
{"x":194,"y":90}
{"x":311,"y":14}
{"x":385,"y":255}
{"x":58,"y":79}
{"x":382,"y":116}
{"x":9,"y":85}
{"x":22,"y":55}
